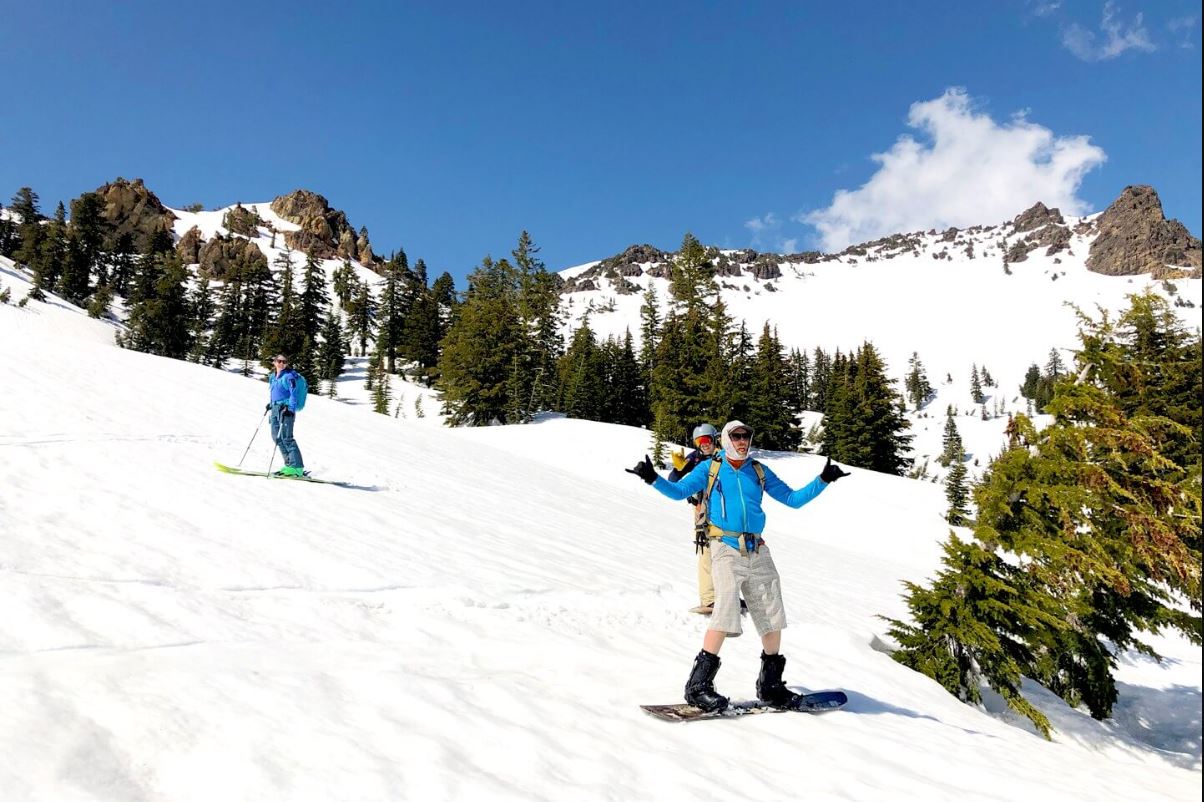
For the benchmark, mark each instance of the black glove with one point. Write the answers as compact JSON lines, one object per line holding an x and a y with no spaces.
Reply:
{"x":831,"y":472}
{"x":644,"y":470}
{"x":267,"y":407}
{"x":288,"y":413}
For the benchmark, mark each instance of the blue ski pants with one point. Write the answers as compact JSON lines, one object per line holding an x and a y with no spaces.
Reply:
{"x":282,"y":435}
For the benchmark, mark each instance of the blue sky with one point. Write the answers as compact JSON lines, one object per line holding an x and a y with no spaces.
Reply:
{"x":595,"y":126}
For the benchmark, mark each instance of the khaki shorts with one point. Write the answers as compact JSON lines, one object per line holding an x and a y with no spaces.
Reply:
{"x":752,"y":575}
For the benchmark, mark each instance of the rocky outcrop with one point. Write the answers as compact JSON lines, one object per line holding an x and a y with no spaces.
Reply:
{"x":325,"y":232}
{"x":1045,"y":227}
{"x":766,"y":266}
{"x":189,"y":246}
{"x":242,"y":221}
{"x":223,"y":257}
{"x":1037,"y":216}
{"x":130,"y":208}
{"x":1135,"y":237}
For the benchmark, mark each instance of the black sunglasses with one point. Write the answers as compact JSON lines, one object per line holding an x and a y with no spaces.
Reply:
{"x":740,"y":436}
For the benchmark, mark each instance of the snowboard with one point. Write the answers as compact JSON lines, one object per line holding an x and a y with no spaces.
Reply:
{"x":820,"y":702}
{"x":306,"y":478}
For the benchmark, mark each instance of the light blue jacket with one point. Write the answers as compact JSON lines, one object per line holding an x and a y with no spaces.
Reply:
{"x":735,"y":504}
{"x":283,"y":390}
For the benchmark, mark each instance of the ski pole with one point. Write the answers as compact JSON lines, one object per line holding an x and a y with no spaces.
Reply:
{"x":257,"y":428}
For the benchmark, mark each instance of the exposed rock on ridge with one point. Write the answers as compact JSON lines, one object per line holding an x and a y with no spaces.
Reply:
{"x":325,"y":232}
{"x":130,"y":208}
{"x":1135,"y":237}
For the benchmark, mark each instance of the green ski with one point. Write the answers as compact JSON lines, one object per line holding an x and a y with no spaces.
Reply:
{"x":311,"y":479}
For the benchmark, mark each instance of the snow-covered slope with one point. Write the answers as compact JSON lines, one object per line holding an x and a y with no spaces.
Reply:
{"x":947,"y":296}
{"x":479,"y":626}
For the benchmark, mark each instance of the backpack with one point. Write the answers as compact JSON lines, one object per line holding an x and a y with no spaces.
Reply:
{"x":713,"y":476}
{"x":301,"y":392}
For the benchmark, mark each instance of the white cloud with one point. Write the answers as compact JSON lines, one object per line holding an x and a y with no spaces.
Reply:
{"x":1183,"y":27}
{"x":1041,"y":9}
{"x":971,"y":171}
{"x":1112,"y":40}
{"x":761,"y":225}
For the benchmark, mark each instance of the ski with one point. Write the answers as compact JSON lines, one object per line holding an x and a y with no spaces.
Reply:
{"x":311,"y":479}
{"x":820,"y":702}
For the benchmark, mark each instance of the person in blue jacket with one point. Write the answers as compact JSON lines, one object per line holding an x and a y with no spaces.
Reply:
{"x":282,"y":403}
{"x":740,"y":561}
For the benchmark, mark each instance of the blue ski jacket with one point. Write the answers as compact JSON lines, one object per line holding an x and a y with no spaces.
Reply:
{"x":282,"y":389}
{"x":735,"y":504}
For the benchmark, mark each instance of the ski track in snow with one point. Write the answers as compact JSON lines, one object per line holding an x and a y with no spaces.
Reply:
{"x":484,"y":628}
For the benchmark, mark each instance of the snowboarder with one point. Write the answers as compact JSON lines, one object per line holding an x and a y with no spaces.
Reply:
{"x":283,"y":403}
{"x":733,"y":486}
{"x":705,"y":439}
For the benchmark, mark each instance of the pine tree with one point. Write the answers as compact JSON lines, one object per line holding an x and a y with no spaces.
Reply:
{"x":773,"y":411}
{"x":361,"y":315}
{"x":539,"y":312}
{"x":918,"y":388}
{"x":286,"y":333}
{"x":581,"y":388}
{"x":1031,"y":378}
{"x":201,"y":310}
{"x":160,"y":321}
{"x":691,"y":276}
{"x":330,"y":354}
{"x":951,"y":444}
{"x":381,"y":395}
{"x":800,"y":367}
{"x":480,"y":347}
{"x":821,"y":377}
{"x":956,"y":493}
{"x":392,"y":312}
{"x":1102,"y":515}
{"x":976,"y":394}
{"x":650,"y":329}
{"x":864,"y":423}
{"x":1054,"y":366}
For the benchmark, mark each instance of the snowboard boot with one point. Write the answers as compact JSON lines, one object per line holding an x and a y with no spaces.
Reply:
{"x":770,"y":688}
{"x":700,"y":687}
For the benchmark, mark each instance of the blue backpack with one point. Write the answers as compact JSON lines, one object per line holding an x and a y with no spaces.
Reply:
{"x":300,"y":390}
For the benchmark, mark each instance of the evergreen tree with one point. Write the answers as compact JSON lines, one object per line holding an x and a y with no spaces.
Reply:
{"x":956,"y":493}
{"x":202,"y":308}
{"x":952,"y":449}
{"x":361,"y":315}
{"x":864,"y":423}
{"x":631,"y":406}
{"x":1054,"y":367}
{"x":286,"y":333}
{"x":1031,"y":378}
{"x":581,"y":388}
{"x":311,"y":313}
{"x":330,"y":354}
{"x":480,"y":347}
{"x":821,"y":377}
{"x":650,"y":329}
{"x":122,"y":263}
{"x":87,"y":227}
{"x":800,"y":376}
{"x":1101,"y":510}
{"x":691,"y":276}
{"x":344,"y":283}
{"x":392,"y":309}
{"x":381,"y":395}
{"x":919,"y":390}
{"x":160,"y":321}
{"x":773,"y":410}
{"x":73,"y":281}
{"x":976,"y":394}
{"x":539,"y":312}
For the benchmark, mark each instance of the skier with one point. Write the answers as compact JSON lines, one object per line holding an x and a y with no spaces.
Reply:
{"x":282,"y":392}
{"x":740,"y":561}
{"x":705,"y":438}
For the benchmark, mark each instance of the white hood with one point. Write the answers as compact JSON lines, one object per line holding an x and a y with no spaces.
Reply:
{"x":725,"y":439}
